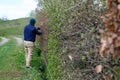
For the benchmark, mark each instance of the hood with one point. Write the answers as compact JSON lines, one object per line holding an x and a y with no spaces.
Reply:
{"x":32,"y":22}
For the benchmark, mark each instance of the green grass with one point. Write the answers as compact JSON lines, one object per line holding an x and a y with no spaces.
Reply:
{"x":12,"y":62}
{"x":13,"y":27}
{"x":54,"y":67}
{"x":118,"y":72}
{"x":0,"y":38}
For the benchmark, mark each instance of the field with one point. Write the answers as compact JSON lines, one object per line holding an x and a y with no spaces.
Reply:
{"x":12,"y":55}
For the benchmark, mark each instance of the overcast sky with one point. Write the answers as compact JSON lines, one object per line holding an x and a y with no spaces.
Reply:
{"x":13,"y":9}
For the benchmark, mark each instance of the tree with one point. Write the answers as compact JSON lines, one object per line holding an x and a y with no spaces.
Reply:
{"x":32,"y":14}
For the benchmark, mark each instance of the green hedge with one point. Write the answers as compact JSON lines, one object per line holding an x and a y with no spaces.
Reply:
{"x":54,"y":10}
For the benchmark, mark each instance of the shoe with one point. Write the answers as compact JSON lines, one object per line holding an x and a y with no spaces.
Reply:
{"x":42,"y":68}
{"x":28,"y":67}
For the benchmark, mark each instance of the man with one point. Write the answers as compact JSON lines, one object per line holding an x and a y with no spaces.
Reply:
{"x":29,"y":38}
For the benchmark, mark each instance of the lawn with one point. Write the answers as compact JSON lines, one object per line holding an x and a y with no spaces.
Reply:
{"x":12,"y":62}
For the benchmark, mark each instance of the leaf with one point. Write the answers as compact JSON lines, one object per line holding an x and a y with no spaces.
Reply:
{"x":118,"y":7}
{"x":117,"y":42}
{"x":70,"y":57}
{"x":98,"y":68}
{"x":105,"y":44}
{"x":101,"y":31}
{"x":109,"y":76}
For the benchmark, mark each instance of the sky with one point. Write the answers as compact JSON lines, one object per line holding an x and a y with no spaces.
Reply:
{"x":14,"y":9}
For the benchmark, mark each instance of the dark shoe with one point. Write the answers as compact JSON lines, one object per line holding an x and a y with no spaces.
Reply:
{"x":39,"y":52}
{"x":42,"y":68}
{"x":28,"y":67}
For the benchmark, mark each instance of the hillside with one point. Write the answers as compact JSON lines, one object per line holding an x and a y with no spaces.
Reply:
{"x":12,"y":27}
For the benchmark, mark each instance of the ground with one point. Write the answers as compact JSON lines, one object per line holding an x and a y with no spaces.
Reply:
{"x":12,"y":61}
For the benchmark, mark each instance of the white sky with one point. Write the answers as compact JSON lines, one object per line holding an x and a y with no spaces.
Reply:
{"x":13,"y":9}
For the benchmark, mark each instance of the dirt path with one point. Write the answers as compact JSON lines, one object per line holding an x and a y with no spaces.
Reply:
{"x":19,"y":40}
{"x":4,"y":40}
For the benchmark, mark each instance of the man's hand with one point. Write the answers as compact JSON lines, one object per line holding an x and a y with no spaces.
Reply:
{"x":38,"y":28}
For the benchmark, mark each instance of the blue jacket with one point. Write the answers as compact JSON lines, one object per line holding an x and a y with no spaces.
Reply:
{"x":30,"y":33}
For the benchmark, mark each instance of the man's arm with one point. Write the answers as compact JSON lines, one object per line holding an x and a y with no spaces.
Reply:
{"x":37,"y":32}
{"x":38,"y":28}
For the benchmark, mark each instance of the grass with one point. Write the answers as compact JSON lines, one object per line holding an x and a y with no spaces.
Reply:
{"x":54,"y":69}
{"x":13,"y":27}
{"x":12,"y":62}
{"x":0,"y":38}
{"x":118,"y":72}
